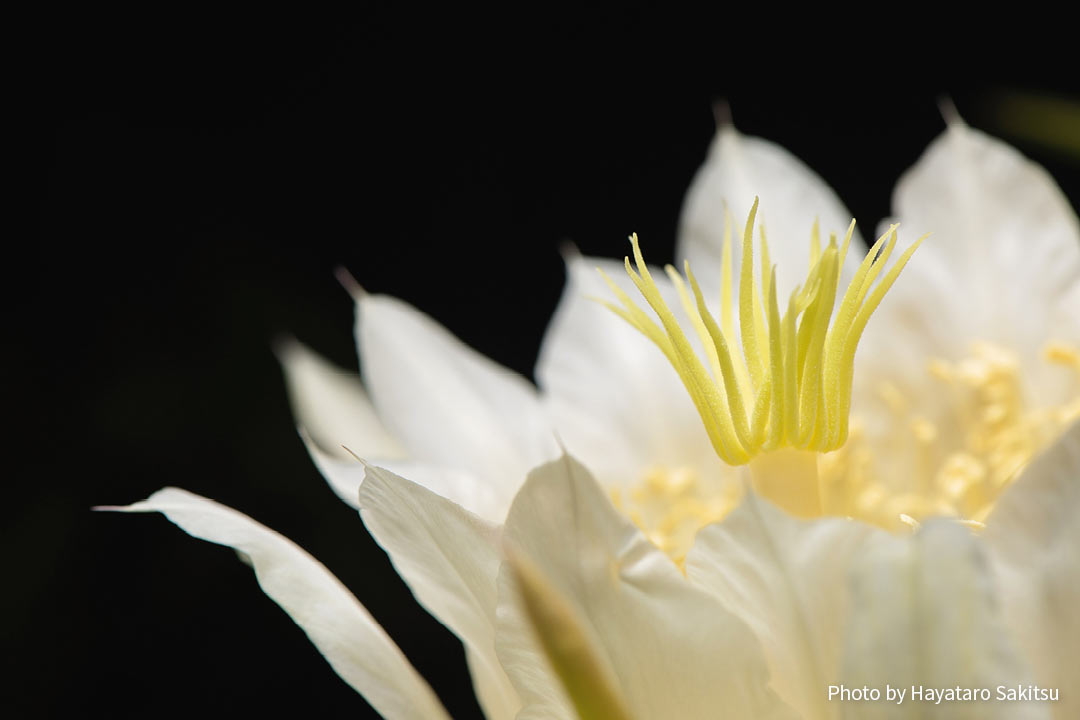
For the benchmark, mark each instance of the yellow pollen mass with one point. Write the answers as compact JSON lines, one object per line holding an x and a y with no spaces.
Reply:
{"x":790,"y":386}
{"x":988,"y":433}
{"x":670,"y":504}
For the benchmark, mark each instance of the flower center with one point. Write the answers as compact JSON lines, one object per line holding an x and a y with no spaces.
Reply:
{"x":961,"y":464}
{"x":781,"y":406}
{"x":787,"y":395}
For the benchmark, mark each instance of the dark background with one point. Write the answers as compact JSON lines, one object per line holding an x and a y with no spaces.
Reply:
{"x":193,"y":182}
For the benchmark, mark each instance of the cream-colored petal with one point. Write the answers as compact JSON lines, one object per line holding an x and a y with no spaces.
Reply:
{"x":352,"y":642}
{"x":1002,"y":267}
{"x":450,"y":558}
{"x":674,"y":649}
{"x":330,"y":404}
{"x":616,"y":401}
{"x":787,"y":579}
{"x":924,"y":613}
{"x":1034,"y":539}
{"x":448,"y":404}
{"x":346,"y":477}
{"x":739,"y":168}
{"x":1004,"y":255}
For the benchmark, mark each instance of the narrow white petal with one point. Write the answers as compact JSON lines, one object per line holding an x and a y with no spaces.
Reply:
{"x":787,"y":579}
{"x":738,"y":168}
{"x":450,"y":558}
{"x":924,"y":613}
{"x":330,"y":404}
{"x":352,"y":642}
{"x":1034,"y":540}
{"x":615,"y":400}
{"x":674,"y":649}
{"x":448,"y":404}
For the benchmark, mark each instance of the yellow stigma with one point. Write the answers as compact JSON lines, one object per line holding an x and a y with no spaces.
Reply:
{"x":790,"y":387}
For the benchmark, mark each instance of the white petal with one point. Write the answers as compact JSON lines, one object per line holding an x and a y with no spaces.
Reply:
{"x":738,"y":168}
{"x":924,"y":613}
{"x":346,"y":477}
{"x":616,"y":401}
{"x":332,"y":407}
{"x":448,"y":404}
{"x":787,"y":579}
{"x":450,"y":559}
{"x":352,"y":642}
{"x":675,"y":650}
{"x":1002,"y":266}
{"x":1004,"y":254}
{"x":1034,"y":536}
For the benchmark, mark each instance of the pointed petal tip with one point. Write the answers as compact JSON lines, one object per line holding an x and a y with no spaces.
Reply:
{"x":563,"y":452}
{"x":284,"y":345}
{"x":358,"y":458}
{"x":569,"y":251}
{"x":721,"y":111}
{"x":351,"y":285}
{"x":949,"y":113}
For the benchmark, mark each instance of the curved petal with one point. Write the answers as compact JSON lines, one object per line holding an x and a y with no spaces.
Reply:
{"x":352,"y":642}
{"x":448,"y":404}
{"x":787,"y":579}
{"x":450,"y":559}
{"x":674,"y":649}
{"x":738,"y":168}
{"x":924,"y":613}
{"x":1033,"y":536}
{"x":330,"y":404}
{"x":617,"y":403}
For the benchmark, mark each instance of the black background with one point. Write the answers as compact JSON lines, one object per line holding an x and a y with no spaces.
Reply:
{"x":193,"y":182}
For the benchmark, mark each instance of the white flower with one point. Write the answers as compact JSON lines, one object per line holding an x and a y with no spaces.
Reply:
{"x":589,"y":614}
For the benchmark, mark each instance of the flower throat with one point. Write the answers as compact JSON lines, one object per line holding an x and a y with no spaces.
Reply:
{"x":773,"y":389}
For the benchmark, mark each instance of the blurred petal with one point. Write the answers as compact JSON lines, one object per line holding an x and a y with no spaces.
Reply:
{"x":331,"y":406}
{"x":738,"y":168}
{"x":787,"y":579}
{"x":924,"y":612}
{"x":449,"y":558}
{"x":1034,"y":539}
{"x":448,"y":404}
{"x":613,"y":396}
{"x":674,"y":649}
{"x":352,"y":642}
{"x":1004,"y":255}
